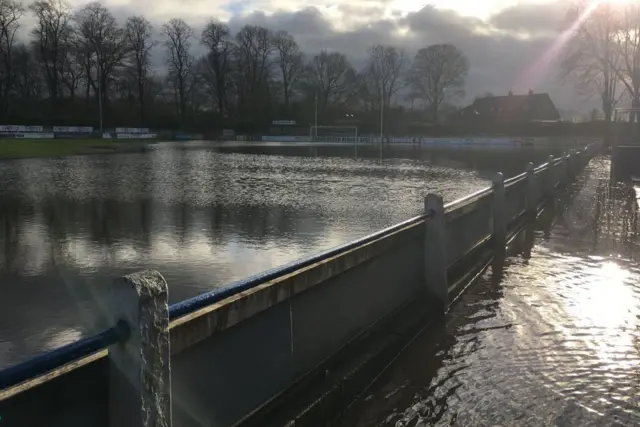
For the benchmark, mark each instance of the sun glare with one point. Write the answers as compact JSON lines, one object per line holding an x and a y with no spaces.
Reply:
{"x":597,"y":2}
{"x":605,"y":301}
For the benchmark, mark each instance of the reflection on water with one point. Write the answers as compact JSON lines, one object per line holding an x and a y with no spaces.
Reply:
{"x":555,"y":342}
{"x":203,"y":217}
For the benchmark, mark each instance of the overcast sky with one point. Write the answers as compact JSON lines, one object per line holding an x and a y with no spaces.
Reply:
{"x":511,"y":44}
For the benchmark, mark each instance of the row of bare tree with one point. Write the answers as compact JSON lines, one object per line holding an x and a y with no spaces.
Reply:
{"x":602,"y":53}
{"x":75,"y":58}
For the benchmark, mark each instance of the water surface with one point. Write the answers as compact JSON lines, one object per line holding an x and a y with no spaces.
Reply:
{"x":553,"y":341}
{"x":204,"y":215}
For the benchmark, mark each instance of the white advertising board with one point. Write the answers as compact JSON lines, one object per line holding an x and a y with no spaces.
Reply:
{"x":132,"y":130}
{"x":34,"y":135}
{"x":19,"y":128}
{"x":136,"y":135}
{"x":73,"y":129}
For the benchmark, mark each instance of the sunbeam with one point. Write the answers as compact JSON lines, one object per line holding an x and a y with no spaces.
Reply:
{"x":540,"y":67}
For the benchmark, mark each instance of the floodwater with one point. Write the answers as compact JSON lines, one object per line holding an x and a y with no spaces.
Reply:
{"x":552,"y":341}
{"x":204,"y":215}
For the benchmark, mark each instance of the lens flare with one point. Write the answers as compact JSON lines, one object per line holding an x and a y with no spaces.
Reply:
{"x":544,"y":62}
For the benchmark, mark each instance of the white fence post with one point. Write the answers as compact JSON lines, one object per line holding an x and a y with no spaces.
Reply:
{"x":500,"y":219}
{"x":564,"y":176}
{"x":550,"y":181}
{"x":435,"y":250}
{"x":139,"y":368}
{"x":571,"y":160}
{"x":532,"y":190}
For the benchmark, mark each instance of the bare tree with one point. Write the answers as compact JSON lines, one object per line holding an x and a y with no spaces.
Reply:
{"x":627,"y":64}
{"x":252,"y":56}
{"x":592,"y":55}
{"x":139,"y":44}
{"x":290,"y":63}
{"x":196,"y":89}
{"x":10,"y":13}
{"x":438,"y":73}
{"x":104,"y":45}
{"x":72,"y":66}
{"x":384,"y":69}
{"x":330,"y":75}
{"x":216,"y":63}
{"x":178,"y":44}
{"x":364,"y":92}
{"x":411,"y":97}
{"x":52,"y":27}
{"x":27,"y":81}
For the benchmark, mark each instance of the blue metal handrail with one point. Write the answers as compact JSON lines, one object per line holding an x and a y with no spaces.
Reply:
{"x":192,"y":304}
{"x":46,"y":362}
{"x":468,"y":199}
{"x":515,"y":180}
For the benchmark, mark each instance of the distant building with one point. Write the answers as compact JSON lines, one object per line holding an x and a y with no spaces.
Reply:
{"x":509,"y":109}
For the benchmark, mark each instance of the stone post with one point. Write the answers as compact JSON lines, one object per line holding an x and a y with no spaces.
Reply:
{"x":435,"y":249}
{"x":571,"y":157}
{"x":500,"y":218}
{"x":550,"y":181}
{"x":532,"y":190}
{"x":139,"y":368}
{"x":564,"y":176}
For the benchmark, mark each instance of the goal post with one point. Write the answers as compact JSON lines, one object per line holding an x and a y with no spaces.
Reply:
{"x":334,"y":133}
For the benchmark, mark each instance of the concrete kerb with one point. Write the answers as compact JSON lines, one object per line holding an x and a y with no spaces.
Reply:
{"x":195,"y":327}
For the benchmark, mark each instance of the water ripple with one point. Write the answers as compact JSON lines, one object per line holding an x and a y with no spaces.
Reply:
{"x":201,"y":216}
{"x":555,"y":342}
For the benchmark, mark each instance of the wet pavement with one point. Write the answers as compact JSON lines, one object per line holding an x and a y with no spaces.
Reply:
{"x":551,"y":340}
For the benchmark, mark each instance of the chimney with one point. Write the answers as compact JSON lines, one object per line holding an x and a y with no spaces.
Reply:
{"x":510,"y":93}
{"x":530,"y":92}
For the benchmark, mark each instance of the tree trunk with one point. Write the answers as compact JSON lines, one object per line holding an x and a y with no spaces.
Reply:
{"x":607,"y":126}
{"x":181,"y":100}
{"x":141,"y":100}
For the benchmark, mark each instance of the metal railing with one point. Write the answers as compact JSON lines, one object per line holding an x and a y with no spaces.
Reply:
{"x":529,"y":187}
{"x":49,"y":361}
{"x":192,"y":304}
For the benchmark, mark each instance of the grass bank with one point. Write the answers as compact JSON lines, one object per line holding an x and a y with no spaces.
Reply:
{"x":24,"y":148}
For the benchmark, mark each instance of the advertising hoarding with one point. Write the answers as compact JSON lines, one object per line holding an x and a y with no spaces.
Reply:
{"x":19,"y":128}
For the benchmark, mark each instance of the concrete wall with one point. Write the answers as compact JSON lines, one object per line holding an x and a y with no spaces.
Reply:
{"x":254,"y":346}
{"x":516,"y":195}
{"x":625,"y":162}
{"x":228,"y":374}
{"x":231,"y":357}
{"x":456,"y":141}
{"x":467,"y":225}
{"x":78,"y":397}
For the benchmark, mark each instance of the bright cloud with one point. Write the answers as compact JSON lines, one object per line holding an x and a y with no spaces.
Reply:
{"x":227,"y":9}
{"x":508,"y":42}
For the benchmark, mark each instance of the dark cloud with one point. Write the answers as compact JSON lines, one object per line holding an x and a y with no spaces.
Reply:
{"x":440,"y":23}
{"x":504,"y":54}
{"x":532,"y":18}
{"x":512,"y":50}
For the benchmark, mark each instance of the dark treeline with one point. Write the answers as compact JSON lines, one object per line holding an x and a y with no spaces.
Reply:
{"x":73,"y":59}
